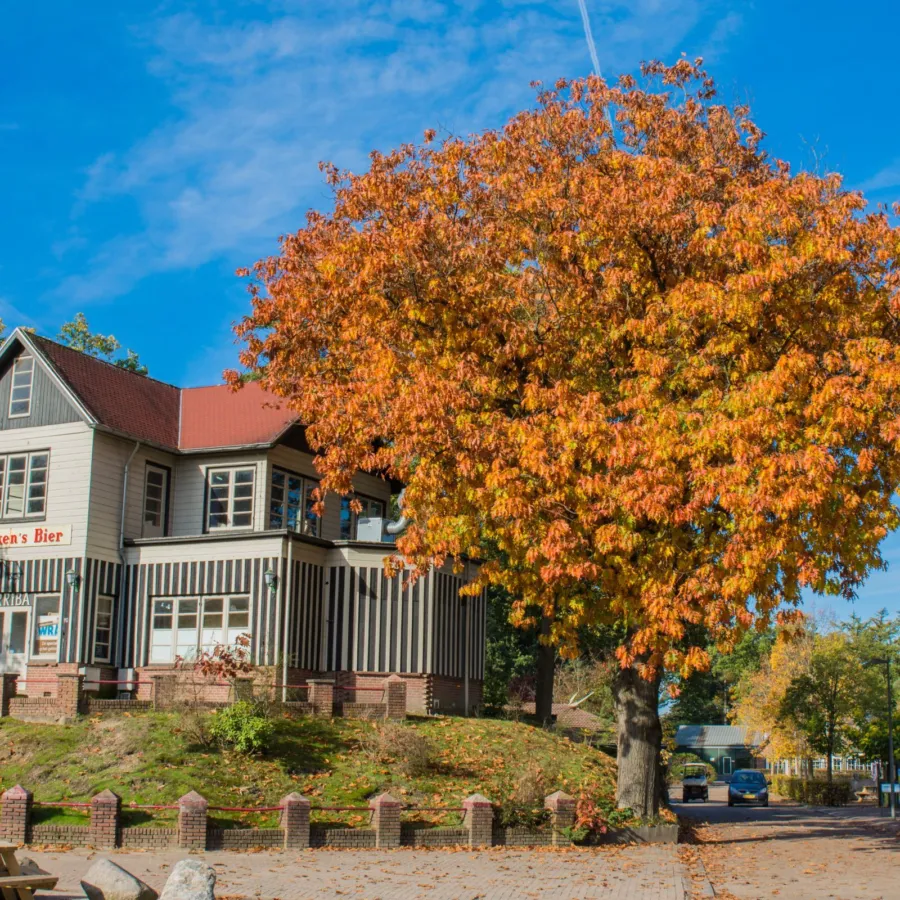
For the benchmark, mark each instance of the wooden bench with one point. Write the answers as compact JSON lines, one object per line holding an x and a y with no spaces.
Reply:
{"x":13,"y":884}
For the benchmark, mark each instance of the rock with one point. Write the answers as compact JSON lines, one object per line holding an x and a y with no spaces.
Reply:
{"x":107,"y":881}
{"x":190,"y":880}
{"x":29,"y":867}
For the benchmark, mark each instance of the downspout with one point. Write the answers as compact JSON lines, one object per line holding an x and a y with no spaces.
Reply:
{"x":398,"y":526}
{"x":121,"y":597}
{"x":287,"y":617}
{"x":467,"y":647}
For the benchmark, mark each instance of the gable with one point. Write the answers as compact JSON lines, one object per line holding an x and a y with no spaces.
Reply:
{"x":49,"y":405}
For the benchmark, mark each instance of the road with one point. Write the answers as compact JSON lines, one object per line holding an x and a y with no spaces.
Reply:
{"x":791,"y":852}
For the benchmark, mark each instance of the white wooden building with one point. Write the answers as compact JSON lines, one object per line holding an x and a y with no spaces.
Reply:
{"x":140,"y":522}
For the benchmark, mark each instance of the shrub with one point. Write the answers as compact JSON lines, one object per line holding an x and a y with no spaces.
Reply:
{"x":525,"y":793}
{"x":402,"y":747}
{"x":814,"y":791}
{"x":241,"y":726}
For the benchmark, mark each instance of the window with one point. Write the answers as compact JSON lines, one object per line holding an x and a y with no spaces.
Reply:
{"x":22,"y":381}
{"x":230,"y":498}
{"x":156,"y":499}
{"x":103,"y":629}
{"x":46,"y":626}
{"x":371,"y":509}
{"x":186,"y":626}
{"x":23,"y":484}
{"x":291,"y":503}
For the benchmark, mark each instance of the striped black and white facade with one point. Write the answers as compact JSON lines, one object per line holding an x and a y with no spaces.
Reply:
{"x":119,"y":602}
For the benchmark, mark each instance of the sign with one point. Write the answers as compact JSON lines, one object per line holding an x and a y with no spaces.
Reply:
{"x":15,"y":600}
{"x":36,"y":536}
{"x":886,"y":788}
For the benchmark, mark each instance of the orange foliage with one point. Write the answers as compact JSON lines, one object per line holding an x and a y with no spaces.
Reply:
{"x":648,"y":367}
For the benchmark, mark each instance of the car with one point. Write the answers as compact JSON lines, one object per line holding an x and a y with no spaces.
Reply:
{"x":748,"y":786}
{"x":694,"y":785}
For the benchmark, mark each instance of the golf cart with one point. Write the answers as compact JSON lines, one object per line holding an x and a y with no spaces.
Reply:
{"x":694,"y":784}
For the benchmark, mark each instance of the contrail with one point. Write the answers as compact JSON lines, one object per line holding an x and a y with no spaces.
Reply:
{"x":590,"y":38}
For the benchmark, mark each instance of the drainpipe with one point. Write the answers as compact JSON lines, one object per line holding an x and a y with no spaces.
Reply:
{"x":287,"y":617}
{"x":398,"y":526}
{"x":467,"y":646}
{"x":121,"y":597}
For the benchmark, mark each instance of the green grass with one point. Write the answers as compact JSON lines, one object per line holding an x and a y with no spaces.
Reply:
{"x":152,"y":759}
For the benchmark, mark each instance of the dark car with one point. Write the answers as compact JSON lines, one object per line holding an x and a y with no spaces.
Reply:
{"x":748,"y":786}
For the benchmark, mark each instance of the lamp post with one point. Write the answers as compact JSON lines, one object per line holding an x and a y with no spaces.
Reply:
{"x":892,"y":773}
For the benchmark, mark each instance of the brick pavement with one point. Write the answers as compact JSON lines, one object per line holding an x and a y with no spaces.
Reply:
{"x":610,"y":873}
{"x":791,"y":852}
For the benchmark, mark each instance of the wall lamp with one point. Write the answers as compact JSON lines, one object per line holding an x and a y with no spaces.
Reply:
{"x":73,"y":579}
{"x":271,"y":580}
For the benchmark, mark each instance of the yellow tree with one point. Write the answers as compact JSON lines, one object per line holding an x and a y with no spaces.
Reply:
{"x":645,"y":370}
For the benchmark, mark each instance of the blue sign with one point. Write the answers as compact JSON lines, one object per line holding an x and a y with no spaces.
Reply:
{"x":886,"y":788}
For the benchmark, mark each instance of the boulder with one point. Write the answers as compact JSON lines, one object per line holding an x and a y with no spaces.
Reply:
{"x":190,"y":880}
{"x":107,"y":881}
{"x":28,"y":866}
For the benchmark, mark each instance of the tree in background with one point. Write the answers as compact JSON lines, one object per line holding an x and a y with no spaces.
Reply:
{"x":510,"y":653}
{"x":78,"y":335}
{"x":620,"y":344}
{"x":822,"y":701}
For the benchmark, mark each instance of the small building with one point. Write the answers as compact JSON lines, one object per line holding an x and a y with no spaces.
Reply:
{"x":142,"y":523}
{"x":726,"y":747}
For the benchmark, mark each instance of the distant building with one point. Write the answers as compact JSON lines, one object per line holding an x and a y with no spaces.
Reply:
{"x":727,"y":747}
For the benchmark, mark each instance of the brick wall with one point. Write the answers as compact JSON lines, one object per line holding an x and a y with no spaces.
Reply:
{"x":244,"y":838}
{"x":149,"y":838}
{"x":346,"y":838}
{"x":71,"y":835}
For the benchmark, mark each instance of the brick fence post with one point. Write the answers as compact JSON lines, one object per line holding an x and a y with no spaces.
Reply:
{"x":105,"y":808}
{"x":8,"y":689}
{"x":562,"y":816}
{"x":321,"y":697}
{"x":479,"y":819}
{"x":163,"y":691}
{"x":395,"y":697}
{"x":385,"y":820}
{"x":192,"y":812}
{"x":295,"y":822}
{"x":69,"y":694}
{"x":15,"y":815}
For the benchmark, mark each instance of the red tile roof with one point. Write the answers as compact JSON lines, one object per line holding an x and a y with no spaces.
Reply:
{"x":220,"y":417}
{"x":176,"y":418}
{"x":138,"y":406}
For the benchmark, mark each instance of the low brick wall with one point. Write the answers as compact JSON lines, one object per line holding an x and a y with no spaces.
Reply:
{"x":243,"y":838}
{"x":522,"y":837}
{"x":36,"y":709}
{"x":149,"y":838}
{"x":361,"y":710}
{"x":348,"y":838}
{"x":92,"y":705}
{"x":72,"y":835}
{"x":411,"y":836}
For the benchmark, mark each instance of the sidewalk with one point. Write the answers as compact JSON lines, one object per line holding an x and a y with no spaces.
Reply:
{"x":628,"y":873}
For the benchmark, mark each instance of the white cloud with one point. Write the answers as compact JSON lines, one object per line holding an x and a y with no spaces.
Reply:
{"x":260,"y":102}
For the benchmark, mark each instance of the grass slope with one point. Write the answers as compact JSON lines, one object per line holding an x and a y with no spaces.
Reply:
{"x":151,"y":759}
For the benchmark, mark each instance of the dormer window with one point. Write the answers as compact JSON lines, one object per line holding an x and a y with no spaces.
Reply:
{"x":22,"y":381}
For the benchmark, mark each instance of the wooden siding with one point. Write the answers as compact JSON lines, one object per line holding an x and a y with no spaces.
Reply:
{"x":67,"y":483}
{"x":376,"y":624}
{"x":49,"y":405}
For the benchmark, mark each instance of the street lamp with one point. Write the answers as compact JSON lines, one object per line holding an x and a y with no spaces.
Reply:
{"x":892,"y":774}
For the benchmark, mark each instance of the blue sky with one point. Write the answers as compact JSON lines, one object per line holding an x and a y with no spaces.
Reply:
{"x":149,"y":149}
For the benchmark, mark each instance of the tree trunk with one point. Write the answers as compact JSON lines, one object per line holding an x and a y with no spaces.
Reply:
{"x":640,"y":778}
{"x":546,"y":664}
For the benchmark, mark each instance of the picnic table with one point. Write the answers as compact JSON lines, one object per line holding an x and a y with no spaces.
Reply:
{"x":13,"y":884}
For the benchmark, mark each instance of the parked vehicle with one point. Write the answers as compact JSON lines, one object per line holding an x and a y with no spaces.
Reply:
{"x":748,"y":786}
{"x":694,"y":783}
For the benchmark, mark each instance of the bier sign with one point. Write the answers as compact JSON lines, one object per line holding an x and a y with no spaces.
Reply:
{"x":36,"y":536}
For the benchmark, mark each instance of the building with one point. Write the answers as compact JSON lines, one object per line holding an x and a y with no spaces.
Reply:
{"x":140,"y":522}
{"x":727,"y":747}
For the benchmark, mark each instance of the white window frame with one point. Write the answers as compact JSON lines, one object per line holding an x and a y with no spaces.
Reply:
{"x":12,"y":387}
{"x":33,"y":644}
{"x":112,"y":615}
{"x":224,"y":633}
{"x":164,"y":500}
{"x":309,"y":525}
{"x":355,"y":517}
{"x":232,"y":472}
{"x":30,"y":468}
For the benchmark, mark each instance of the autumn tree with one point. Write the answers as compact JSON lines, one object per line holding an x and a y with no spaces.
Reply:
{"x":643,"y":369}
{"x":78,"y":335}
{"x":822,"y":701}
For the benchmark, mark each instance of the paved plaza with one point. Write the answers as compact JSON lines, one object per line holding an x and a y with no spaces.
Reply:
{"x":791,"y":852}
{"x":628,"y":873}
